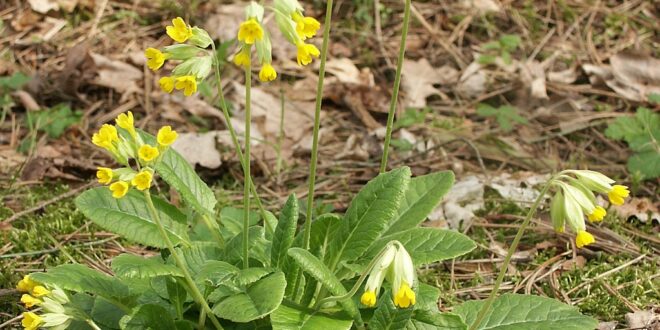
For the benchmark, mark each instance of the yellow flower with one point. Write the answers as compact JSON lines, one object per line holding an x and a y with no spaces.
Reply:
{"x":267,"y":73}
{"x":618,"y":194}
{"x":597,"y":215}
{"x":39,"y":291}
{"x":166,"y":84}
{"x":250,"y":31}
{"x":104,"y":175}
{"x":166,"y":136}
{"x":305,"y":53}
{"x":148,"y":153}
{"x":119,"y":189}
{"x":30,"y":301}
{"x":179,"y":30}
{"x":31,"y":321}
{"x":306,"y":27}
{"x":125,"y":121}
{"x":405,"y":297}
{"x":155,"y":58}
{"x":26,"y":284}
{"x":186,"y":83}
{"x":242,"y":59}
{"x":583,"y":238}
{"x":368,"y":298}
{"x":106,"y":135}
{"x":142,"y":180}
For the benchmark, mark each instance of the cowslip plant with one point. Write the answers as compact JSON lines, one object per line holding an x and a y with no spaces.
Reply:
{"x":222,"y":267}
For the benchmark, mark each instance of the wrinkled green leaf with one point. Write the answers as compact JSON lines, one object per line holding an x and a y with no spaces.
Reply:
{"x":231,"y":220}
{"x":422,"y":196}
{"x":367,"y":216}
{"x":285,"y":231}
{"x":290,"y":317}
{"x":148,"y":317}
{"x":314,"y":267}
{"x":526,"y":312}
{"x":132,"y":266}
{"x":106,"y":314}
{"x":258,"y":300}
{"x":257,"y":243}
{"x":429,"y":320}
{"x":646,"y":163}
{"x":79,"y":278}
{"x":129,"y":216}
{"x":387,"y":316}
{"x":428,"y":245}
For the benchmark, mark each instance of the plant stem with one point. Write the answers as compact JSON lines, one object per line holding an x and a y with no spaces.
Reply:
{"x":280,"y":137}
{"x":246,"y":169}
{"x":505,"y":265}
{"x":199,"y":298}
{"x":395,"y":89}
{"x":232,"y":132}
{"x":307,"y":230}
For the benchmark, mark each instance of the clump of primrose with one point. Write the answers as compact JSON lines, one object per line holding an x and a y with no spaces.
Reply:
{"x":123,"y":148}
{"x":51,"y":301}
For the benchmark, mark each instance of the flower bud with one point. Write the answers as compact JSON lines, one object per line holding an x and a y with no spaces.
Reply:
{"x":181,"y":52}
{"x":200,"y":38}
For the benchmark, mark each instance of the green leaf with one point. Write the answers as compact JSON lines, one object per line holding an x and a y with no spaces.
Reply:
{"x":215,"y":272}
{"x":428,"y":245}
{"x":132,"y":266}
{"x":178,"y":173}
{"x":177,"y":294}
{"x":284,"y":232}
{"x":486,"y":59}
{"x":387,"y":316}
{"x":231,"y":220}
{"x":148,"y":317}
{"x":427,"y":297}
{"x":422,"y":196}
{"x":314,"y":267}
{"x":510,"y":41}
{"x":486,"y":110}
{"x":14,"y":82}
{"x":257,"y":243}
{"x":647,"y":163}
{"x":526,"y":312}
{"x":429,"y":320}
{"x":106,"y":313}
{"x":54,"y":121}
{"x":290,"y":317}
{"x":654,"y":98}
{"x":367,"y":216}
{"x":258,"y":300}
{"x":129,"y":216}
{"x":79,"y":278}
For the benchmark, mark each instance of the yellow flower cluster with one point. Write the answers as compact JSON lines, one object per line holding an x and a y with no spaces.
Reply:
{"x":575,"y":199}
{"x":195,"y":60}
{"x":297,"y":28}
{"x":50,"y":301}
{"x":396,"y":265}
{"x":120,"y":180}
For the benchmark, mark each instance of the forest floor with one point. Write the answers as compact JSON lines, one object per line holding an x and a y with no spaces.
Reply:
{"x":500,"y":92}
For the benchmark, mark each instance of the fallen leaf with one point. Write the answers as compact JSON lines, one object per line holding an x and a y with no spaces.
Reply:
{"x":481,"y":6}
{"x":632,"y":76}
{"x":117,"y":75}
{"x":641,"y":208}
{"x":418,"y":78}
{"x":199,"y":148}
{"x":607,"y":325}
{"x":567,"y":76}
{"x":10,"y":160}
{"x":473,"y":81}
{"x":575,"y":263}
{"x":643,"y":319}
{"x":43,"y":6}
{"x":532,"y":74}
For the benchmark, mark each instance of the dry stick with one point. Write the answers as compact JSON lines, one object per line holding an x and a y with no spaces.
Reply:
{"x":489,"y":302}
{"x":395,"y":89}
{"x":307,"y":230}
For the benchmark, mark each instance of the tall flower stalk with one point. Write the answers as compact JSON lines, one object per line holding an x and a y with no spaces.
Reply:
{"x":395,"y":89}
{"x":246,"y":169}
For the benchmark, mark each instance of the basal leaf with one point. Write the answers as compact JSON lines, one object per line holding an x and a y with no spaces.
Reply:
{"x":422,"y":196}
{"x":79,"y":278}
{"x":367,"y":216}
{"x":428,"y":245}
{"x":646,"y":163}
{"x":257,"y":243}
{"x":231,"y":221}
{"x":258,"y":300}
{"x":132,"y":266}
{"x":129,"y":216}
{"x":178,"y":173}
{"x":526,"y":312}
{"x":315,"y":267}
{"x":106,"y":314}
{"x":427,"y":297}
{"x":387,"y":316}
{"x":285,"y":231}
{"x":290,"y":317}
{"x":148,"y":317}
{"x":429,"y":320}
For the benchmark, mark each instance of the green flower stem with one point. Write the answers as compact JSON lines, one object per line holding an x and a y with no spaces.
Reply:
{"x":395,"y":89}
{"x":246,"y":169}
{"x":232,"y":132}
{"x":91,"y":324}
{"x":199,"y":298}
{"x":315,"y":142}
{"x":505,"y":265}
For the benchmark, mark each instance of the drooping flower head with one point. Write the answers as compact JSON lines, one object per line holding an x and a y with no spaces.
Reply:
{"x":31,"y":321}
{"x":188,"y":84}
{"x":166,"y":136}
{"x":397,"y":267}
{"x":306,"y":52}
{"x":179,"y":30}
{"x":250,"y":31}
{"x":155,"y":58}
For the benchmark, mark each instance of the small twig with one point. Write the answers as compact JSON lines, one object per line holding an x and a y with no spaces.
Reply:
{"x":605,"y":274}
{"x":55,"y":199}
